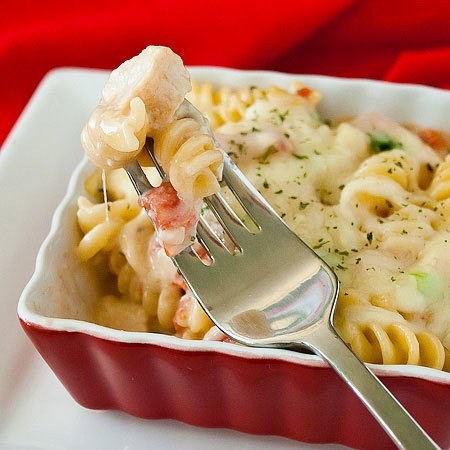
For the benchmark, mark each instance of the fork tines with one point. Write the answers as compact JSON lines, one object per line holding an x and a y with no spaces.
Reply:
{"x":234,"y":230}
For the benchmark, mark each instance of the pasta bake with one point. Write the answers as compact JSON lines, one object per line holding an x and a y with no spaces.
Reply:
{"x":369,"y":195}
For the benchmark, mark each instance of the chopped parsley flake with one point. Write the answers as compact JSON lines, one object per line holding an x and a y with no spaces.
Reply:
{"x":282,"y":116}
{"x":240,"y":146}
{"x":369,"y":237}
{"x":321,"y":244}
{"x":300,"y":156}
{"x":271,"y":149}
{"x":303,"y":205}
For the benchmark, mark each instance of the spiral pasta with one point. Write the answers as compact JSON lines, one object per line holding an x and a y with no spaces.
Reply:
{"x":223,"y":105}
{"x":384,"y":337}
{"x":440,"y":185}
{"x":189,"y":156}
{"x":100,"y":230}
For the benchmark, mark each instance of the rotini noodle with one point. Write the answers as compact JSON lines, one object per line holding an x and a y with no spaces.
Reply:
{"x":440,"y":186}
{"x":188,"y":155}
{"x":223,"y":105}
{"x":390,"y":339}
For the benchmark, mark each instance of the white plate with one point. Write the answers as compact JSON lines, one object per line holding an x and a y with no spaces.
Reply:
{"x":35,"y":410}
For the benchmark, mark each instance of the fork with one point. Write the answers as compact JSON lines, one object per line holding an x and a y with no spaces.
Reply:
{"x":272,"y":290}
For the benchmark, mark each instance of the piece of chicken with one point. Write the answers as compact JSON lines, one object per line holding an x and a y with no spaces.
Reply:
{"x":139,"y":98}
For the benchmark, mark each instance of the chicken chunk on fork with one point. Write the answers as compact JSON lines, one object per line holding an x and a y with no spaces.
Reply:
{"x":140,"y":97}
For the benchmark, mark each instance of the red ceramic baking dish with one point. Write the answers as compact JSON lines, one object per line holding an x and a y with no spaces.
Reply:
{"x":218,"y":384}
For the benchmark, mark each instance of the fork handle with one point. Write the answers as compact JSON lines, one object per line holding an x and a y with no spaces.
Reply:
{"x":405,"y":432}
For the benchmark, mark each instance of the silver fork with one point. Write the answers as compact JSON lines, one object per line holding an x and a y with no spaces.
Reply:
{"x":272,"y":290}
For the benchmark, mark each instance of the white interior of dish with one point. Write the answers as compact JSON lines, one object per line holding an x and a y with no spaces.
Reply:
{"x":61,"y":292}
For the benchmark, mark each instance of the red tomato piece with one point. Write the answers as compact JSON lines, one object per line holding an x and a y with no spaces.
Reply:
{"x":435,"y":139}
{"x":304,"y":92}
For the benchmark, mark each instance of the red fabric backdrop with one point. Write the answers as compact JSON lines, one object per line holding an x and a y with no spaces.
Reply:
{"x":396,"y":40}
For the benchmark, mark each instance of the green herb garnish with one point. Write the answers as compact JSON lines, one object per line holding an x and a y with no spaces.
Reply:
{"x":382,"y":142}
{"x":303,"y":205}
{"x":282,"y":116}
{"x":320,"y":245}
{"x":270,"y":151}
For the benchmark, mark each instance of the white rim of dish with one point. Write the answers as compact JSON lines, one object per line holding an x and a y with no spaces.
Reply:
{"x":172,"y":342}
